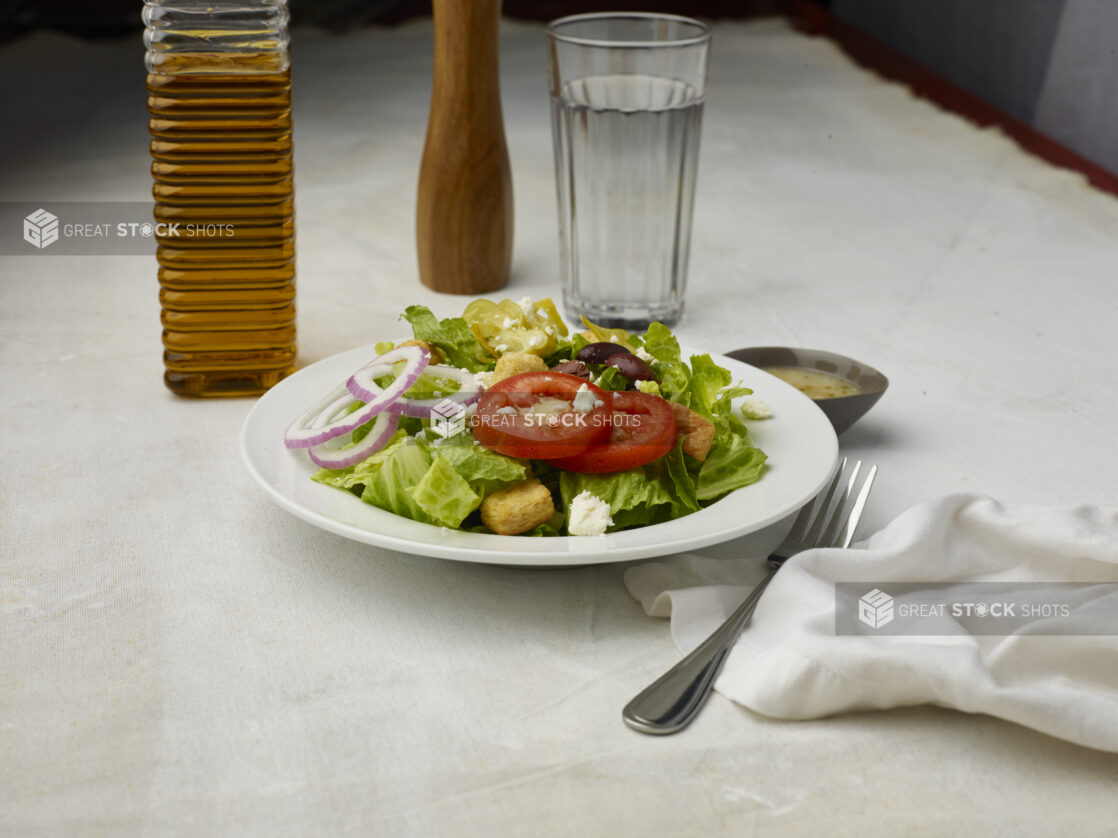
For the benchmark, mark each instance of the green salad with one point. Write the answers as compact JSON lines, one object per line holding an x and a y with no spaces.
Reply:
{"x":501,"y":421}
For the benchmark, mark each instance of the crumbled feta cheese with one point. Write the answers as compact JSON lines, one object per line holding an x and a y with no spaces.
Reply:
{"x":550,"y":328}
{"x":614,"y":339}
{"x":585,"y":401}
{"x":644,"y":355}
{"x":546,"y":409}
{"x":508,"y":323}
{"x":755,"y":409}
{"x":526,"y":306}
{"x":540,"y":313}
{"x":484,"y":379}
{"x":502,"y":347}
{"x":535,"y":340}
{"x":588,"y":515}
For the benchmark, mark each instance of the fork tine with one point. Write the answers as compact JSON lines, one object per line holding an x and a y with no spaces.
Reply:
{"x":812,"y":535}
{"x":859,"y":505}
{"x":807,"y":515}
{"x":829,"y":534}
{"x":803,"y":520}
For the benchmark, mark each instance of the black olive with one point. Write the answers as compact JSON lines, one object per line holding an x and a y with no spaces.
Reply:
{"x":599,"y":353}
{"x":573,"y":368}
{"x":632,"y":367}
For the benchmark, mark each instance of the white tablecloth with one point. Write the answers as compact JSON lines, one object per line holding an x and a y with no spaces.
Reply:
{"x":180,"y":657}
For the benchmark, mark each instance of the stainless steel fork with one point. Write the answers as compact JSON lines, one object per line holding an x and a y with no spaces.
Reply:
{"x":670,"y":703}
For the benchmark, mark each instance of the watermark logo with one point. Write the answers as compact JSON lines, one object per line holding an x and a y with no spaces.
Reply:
{"x":448,"y":419}
{"x":95,"y":228}
{"x":978,"y":608}
{"x":875,"y":609}
{"x":40,"y":228}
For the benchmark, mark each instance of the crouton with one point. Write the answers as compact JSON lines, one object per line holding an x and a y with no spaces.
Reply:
{"x":515,"y":363}
{"x":518,"y":508}
{"x":437,"y":356}
{"x":698,"y":433}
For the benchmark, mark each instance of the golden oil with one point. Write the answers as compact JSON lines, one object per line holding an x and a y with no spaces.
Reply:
{"x":221,"y":152}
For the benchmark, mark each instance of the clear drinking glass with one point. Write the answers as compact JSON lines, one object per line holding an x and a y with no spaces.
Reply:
{"x":626,"y":112}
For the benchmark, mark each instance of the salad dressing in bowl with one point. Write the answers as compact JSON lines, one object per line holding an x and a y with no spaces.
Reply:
{"x":844,"y":389}
{"x":815,"y":384}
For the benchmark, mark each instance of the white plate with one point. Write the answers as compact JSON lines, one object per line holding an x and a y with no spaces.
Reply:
{"x":799,"y":440}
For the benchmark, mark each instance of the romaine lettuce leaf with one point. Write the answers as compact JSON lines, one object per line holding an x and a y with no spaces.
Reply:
{"x":722,"y":409}
{"x":427,"y":386}
{"x":431,"y":387}
{"x":439,"y":485}
{"x":612,"y":379}
{"x":707,"y":379}
{"x":711,"y":392}
{"x":733,"y":462}
{"x":633,"y":498}
{"x":484,"y":471}
{"x":443,"y":494}
{"x":561,"y":353}
{"x":452,"y":335}
{"x":660,"y":343}
{"x":675,"y":377}
{"x":360,"y":473}
{"x":402,"y":464}
{"x":578,"y":343}
{"x":671,"y":470}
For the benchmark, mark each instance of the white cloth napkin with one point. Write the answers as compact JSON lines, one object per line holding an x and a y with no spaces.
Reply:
{"x":789,"y":663}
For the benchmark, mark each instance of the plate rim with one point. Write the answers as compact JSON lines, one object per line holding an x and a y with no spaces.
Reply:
{"x":560,"y":555}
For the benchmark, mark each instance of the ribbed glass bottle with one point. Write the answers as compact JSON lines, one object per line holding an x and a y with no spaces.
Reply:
{"x":219,"y":99}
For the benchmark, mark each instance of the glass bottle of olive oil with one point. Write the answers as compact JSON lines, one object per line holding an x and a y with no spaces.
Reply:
{"x":219,"y":99}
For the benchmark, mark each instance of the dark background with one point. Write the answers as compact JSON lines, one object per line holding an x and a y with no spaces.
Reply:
{"x":101,"y":18}
{"x":1044,"y":70}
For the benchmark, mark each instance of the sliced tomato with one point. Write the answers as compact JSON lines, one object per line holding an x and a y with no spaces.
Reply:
{"x":643,"y":429}
{"x":532,"y":416}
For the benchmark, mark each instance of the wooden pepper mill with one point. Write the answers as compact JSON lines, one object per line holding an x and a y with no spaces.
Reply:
{"x":464,"y":208}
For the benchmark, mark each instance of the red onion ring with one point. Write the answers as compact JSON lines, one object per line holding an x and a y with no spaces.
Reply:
{"x":335,"y":410}
{"x":468,"y":392}
{"x":328,"y":456}
{"x":304,"y":432}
